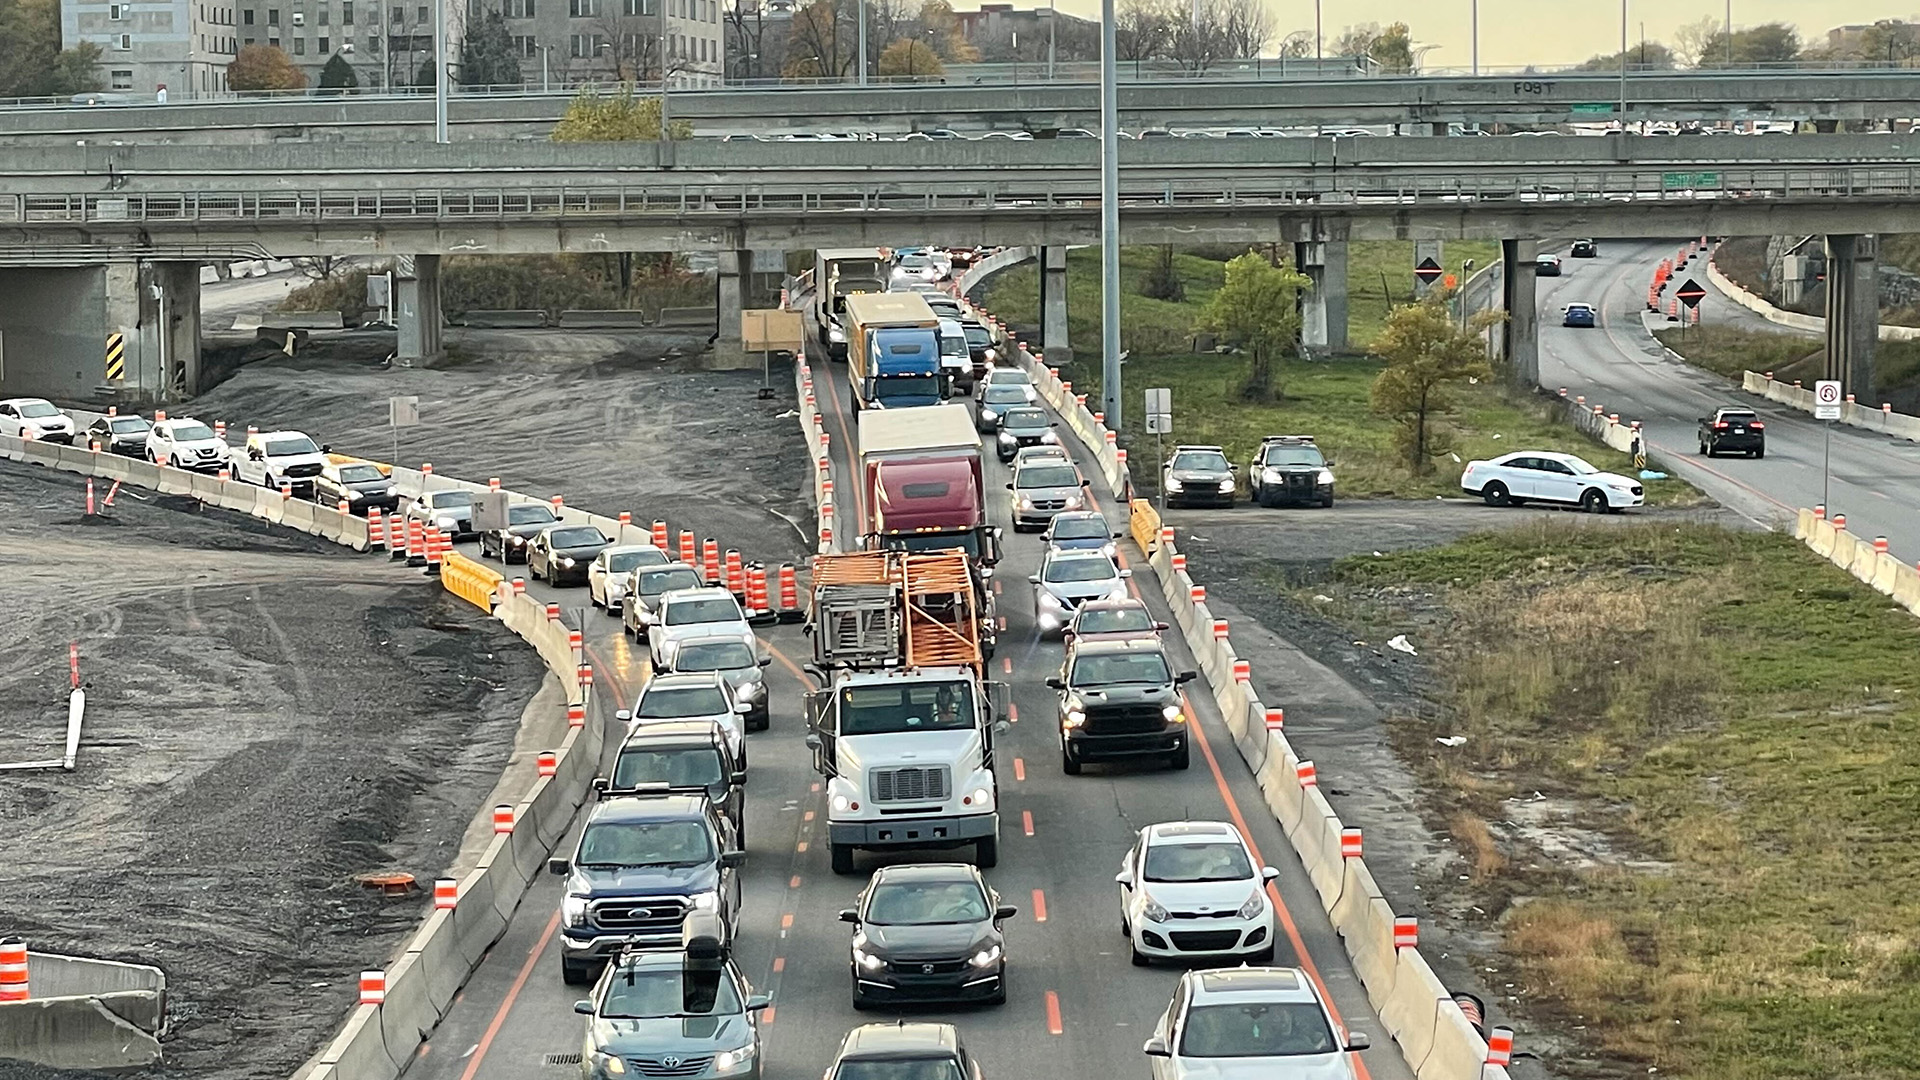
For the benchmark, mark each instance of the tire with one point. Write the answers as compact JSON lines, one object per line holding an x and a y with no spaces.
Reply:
{"x":986,"y":852}
{"x":1139,"y":958}
{"x":1326,"y":503}
{"x":1760,"y":453}
{"x":1068,"y":763}
{"x":841,"y":857}
{"x":1181,"y":758}
{"x":575,"y":974}
{"x":1594,"y":501}
{"x":1495,"y":494}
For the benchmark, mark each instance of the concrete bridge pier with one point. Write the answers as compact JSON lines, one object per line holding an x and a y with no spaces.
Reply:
{"x":1853,"y":311}
{"x":1522,"y":330}
{"x":730,"y":285}
{"x":60,"y":324}
{"x":1323,"y":306}
{"x":416,"y":310}
{"x":1053,"y":305}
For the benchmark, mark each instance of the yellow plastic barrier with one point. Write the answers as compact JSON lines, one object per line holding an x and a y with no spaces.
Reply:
{"x":349,"y":459}
{"x":1146,"y":525}
{"x":469,"y":580}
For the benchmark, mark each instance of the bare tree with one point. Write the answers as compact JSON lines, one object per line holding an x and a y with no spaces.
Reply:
{"x":749,"y":51}
{"x":1143,"y":29}
{"x":1246,"y":27}
{"x":1691,"y":40}
{"x":1356,"y":40}
{"x":1297,"y":45}
{"x":822,"y":41}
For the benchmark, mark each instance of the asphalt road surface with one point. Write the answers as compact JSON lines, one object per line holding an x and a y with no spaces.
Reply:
{"x":1872,"y":479}
{"x":1076,"y":1008}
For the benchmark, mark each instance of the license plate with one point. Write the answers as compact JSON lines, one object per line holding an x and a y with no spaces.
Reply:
{"x":1739,"y":431}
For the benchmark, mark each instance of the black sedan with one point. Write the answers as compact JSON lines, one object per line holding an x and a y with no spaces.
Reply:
{"x":562,"y":554}
{"x":1023,"y":427}
{"x":364,"y":487}
{"x":123,"y":435}
{"x":523,"y":520}
{"x":928,"y":932}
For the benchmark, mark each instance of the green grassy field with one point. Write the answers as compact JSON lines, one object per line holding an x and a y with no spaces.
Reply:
{"x":1729,"y":351}
{"x":1741,"y":722}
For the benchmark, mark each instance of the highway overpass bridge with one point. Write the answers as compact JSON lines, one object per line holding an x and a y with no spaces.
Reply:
{"x":131,"y":223}
{"x":1827,"y":98}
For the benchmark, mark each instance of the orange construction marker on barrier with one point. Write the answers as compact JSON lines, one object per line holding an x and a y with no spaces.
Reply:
{"x":1500,"y":1046}
{"x":1820,"y":512}
{"x":446,"y":894}
{"x":1839,"y":521}
{"x":1219,"y":629}
{"x":553,"y":612}
{"x":373,"y":987}
{"x":826,"y":532}
{"x":1879,"y":543}
{"x":626,"y":518}
{"x":1276,"y":719}
{"x":1166,"y":535}
{"x":426,"y":468}
{"x":548,"y":763}
{"x":1179,"y":560}
{"x":1242,"y":671}
{"x":1406,"y":932}
{"x":219,"y":429}
{"x":585,"y":675}
{"x":503,"y":818}
{"x":344,"y":506}
{"x":286,"y":490}
{"x":13,"y":970}
{"x":226,"y":475}
{"x":1349,"y":843}
{"x":159,"y":415}
{"x":89,"y":496}
{"x":574,"y":642}
{"x":558,"y":502}
{"x":576,"y":716}
{"x":519,"y":586}
{"x":1198,"y":594}
{"x":493,"y":483}
{"x":1306,"y":774}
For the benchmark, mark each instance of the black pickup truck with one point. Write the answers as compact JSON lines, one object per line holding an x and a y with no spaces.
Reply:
{"x":1733,"y":431}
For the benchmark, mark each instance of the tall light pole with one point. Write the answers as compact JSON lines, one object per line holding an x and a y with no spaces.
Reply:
{"x":1109,"y":221}
{"x":1476,"y":37}
{"x":545,"y":52}
{"x":1053,"y":20}
{"x":1318,"y":56}
{"x":1729,"y":33}
{"x":666,"y":111}
{"x":1623,"y":67}
{"x":863,"y":43}
{"x":440,"y":71}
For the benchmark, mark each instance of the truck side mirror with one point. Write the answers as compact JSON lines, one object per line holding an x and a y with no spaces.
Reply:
{"x":1085,"y":482}
{"x":812,"y":741}
{"x":1126,"y":573}
{"x":1009,"y":487}
{"x":583,"y":1007}
{"x":849,"y":915}
{"x":623,"y":715}
{"x":733,"y":860}
{"x":1185,"y":677}
{"x":1055,"y":682}
{"x":738,"y":777}
{"x":557,"y":867}
{"x":600,"y":785}
{"x":1005,"y":911}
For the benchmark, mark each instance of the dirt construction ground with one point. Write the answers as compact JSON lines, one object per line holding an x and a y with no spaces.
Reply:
{"x":267,"y":716}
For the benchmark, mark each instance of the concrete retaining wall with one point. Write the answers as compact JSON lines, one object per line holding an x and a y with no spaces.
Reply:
{"x":1868,"y":416}
{"x":511,"y":319}
{"x":689,"y":318}
{"x":1794,"y":319}
{"x":86,"y":1014}
{"x":1857,"y":555}
{"x":591,"y":320}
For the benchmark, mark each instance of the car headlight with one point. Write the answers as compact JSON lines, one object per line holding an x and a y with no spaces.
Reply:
{"x":1107,"y":549}
{"x":1075,"y":502}
{"x":444,"y":523}
{"x":1074,"y":719}
{"x":1174,"y":484}
{"x":607,"y":1063}
{"x":1174,"y":715}
{"x":753,"y":690}
{"x":1153,"y":912}
{"x":842,"y":804}
{"x":866,"y":959}
{"x":834,"y":333}
{"x":989,"y":415}
{"x":517,"y":541}
{"x":1050,"y":439}
{"x":1047,"y":599}
{"x":1255,"y":905}
{"x":992,"y":355}
{"x":734,"y":1059}
{"x":1325,"y":476}
{"x":1273,"y":476}
{"x":980,"y":797}
{"x":567,"y":561}
{"x":1007,"y":437}
{"x":573,"y":910}
{"x":706,"y":901}
{"x":1026,"y":502}
{"x":1032,"y":395}
{"x":355,"y":494}
{"x":986,"y":957}
{"x":1226,"y":485}
{"x":1118,"y":594}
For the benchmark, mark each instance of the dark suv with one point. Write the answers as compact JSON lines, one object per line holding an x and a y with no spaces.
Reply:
{"x":1733,"y":431}
{"x":920,"y":1051}
{"x":643,"y":865}
{"x":1119,"y":699}
{"x":1289,"y":469}
{"x":681,"y":757}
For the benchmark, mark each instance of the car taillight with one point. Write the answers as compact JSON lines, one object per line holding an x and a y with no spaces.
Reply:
{"x":1757,"y":426}
{"x":1721,"y":426}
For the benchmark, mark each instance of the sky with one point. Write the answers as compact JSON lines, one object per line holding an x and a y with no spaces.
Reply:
{"x":1514,"y":33}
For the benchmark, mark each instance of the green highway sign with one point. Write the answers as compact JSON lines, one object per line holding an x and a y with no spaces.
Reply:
{"x":1600,"y":109}
{"x":1690,"y":179}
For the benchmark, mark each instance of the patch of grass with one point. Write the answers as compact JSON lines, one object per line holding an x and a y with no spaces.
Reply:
{"x":1729,"y":351}
{"x":1328,"y":400}
{"x":1725,"y":703}
{"x":1369,"y":261}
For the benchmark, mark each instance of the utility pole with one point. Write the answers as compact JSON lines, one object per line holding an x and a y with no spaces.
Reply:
{"x":862,"y":37}
{"x":666,"y":114}
{"x":1109,"y":220}
{"x":440,"y":71}
{"x":1053,"y":19}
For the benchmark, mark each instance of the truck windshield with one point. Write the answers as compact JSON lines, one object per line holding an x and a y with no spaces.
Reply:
{"x":966,"y":541}
{"x":668,"y":580}
{"x":1294,"y":455}
{"x":192,"y":433}
{"x":645,"y":843}
{"x":1115,"y":669}
{"x":290,"y":447}
{"x":693,"y":766}
{"x":899,"y":387}
{"x":923,"y":706}
{"x":1047,"y":476}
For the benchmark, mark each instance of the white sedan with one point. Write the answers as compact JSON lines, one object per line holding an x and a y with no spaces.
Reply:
{"x":607,"y":576}
{"x":1543,"y":476}
{"x":1191,"y":889}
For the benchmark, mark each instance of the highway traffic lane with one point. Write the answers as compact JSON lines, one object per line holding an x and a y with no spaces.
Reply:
{"x":515,"y":1010}
{"x":1082,"y":827}
{"x":1875,"y":480}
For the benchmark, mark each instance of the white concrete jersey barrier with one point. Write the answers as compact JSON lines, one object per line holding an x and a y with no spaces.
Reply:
{"x":1432,"y":1033}
{"x":1880,"y":570}
{"x":1854,"y":414}
{"x":85,"y":1014}
{"x":1814,"y":323}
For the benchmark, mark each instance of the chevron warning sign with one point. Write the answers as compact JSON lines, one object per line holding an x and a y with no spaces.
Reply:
{"x":116,"y":357}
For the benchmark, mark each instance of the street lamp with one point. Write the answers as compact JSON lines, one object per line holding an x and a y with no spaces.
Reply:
{"x":545,"y":51}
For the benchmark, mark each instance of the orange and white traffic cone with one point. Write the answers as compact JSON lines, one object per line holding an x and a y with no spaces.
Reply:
{"x":660,"y":535}
{"x":789,"y":595}
{"x":13,"y":970}
{"x":376,"y":529}
{"x":736,"y":575}
{"x":689,"y":553}
{"x":710,"y":560}
{"x":416,"y":543}
{"x":436,"y":548}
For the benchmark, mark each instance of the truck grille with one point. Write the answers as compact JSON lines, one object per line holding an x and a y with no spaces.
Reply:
{"x":309,"y":469}
{"x":670,"y":1065}
{"x":659,"y":915}
{"x":1124,"y":719}
{"x":911,"y":784}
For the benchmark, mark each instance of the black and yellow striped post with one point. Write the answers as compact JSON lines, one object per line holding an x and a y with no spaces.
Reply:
{"x":116,"y":357}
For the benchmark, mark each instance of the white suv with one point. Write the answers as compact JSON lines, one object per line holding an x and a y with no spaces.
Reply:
{"x":1190,"y":889}
{"x":694,"y":613}
{"x":1249,"y":1021}
{"x":186,"y":443}
{"x":36,"y":417}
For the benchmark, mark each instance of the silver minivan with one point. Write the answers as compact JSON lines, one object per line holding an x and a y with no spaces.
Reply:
{"x":1041,"y":489}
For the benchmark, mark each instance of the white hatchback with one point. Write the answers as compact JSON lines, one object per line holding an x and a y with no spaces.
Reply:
{"x":1543,"y":476}
{"x":1191,"y":889}
{"x":1250,"y":1022}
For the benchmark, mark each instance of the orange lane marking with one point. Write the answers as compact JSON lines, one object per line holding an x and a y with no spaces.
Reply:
{"x":1273,"y":892}
{"x":513,"y":995}
{"x":794,"y":882}
{"x":424,"y":1047}
{"x":1003,"y":624}
{"x":1039,"y":906}
{"x":1054,"y":1024}
{"x":1013,"y":712}
{"x":786,"y":921}
{"x":814,"y":788}
{"x":808,"y":816}
{"x":1006,"y":665}
{"x":1020,"y":769}
{"x":613,"y":682}
{"x":800,"y":847}
{"x":1026,"y":821}
{"x":766,"y":1017}
{"x":779,"y":964}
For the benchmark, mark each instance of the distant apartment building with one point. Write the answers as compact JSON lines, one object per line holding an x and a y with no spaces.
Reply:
{"x":994,"y":27}
{"x":385,"y":42}
{"x":182,"y":45}
{"x":567,"y":42}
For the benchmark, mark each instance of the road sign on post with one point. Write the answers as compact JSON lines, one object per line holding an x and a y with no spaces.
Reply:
{"x":1427,"y":270}
{"x":401,"y":412}
{"x":1826,"y":399}
{"x":1690,"y":293}
{"x":1159,"y":411}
